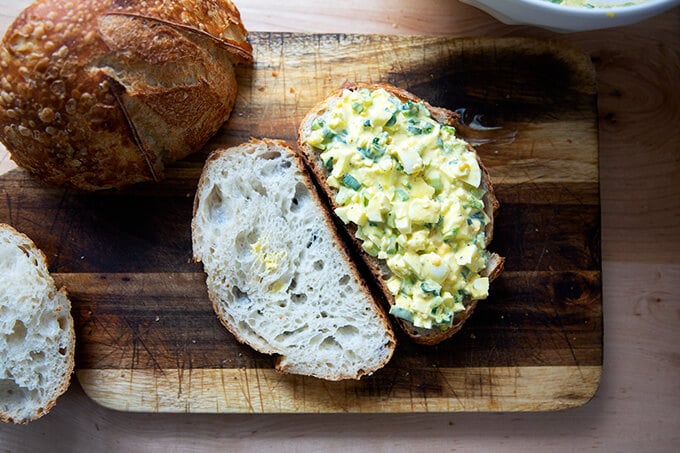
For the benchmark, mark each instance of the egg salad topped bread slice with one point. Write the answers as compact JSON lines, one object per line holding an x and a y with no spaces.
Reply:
{"x":416,"y":199}
{"x":278,"y":275}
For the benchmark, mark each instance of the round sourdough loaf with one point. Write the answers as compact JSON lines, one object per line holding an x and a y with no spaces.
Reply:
{"x":96,"y":94}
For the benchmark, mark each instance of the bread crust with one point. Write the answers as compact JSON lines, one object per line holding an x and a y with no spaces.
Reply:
{"x":379,"y":271}
{"x":281,"y":146}
{"x":106,"y":93}
{"x":31,"y":249}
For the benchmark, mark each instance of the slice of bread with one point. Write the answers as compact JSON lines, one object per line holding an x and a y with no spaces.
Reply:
{"x":322,"y":171}
{"x":37,"y":340}
{"x":278,"y":276}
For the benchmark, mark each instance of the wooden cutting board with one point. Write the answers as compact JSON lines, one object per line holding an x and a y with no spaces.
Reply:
{"x":148,"y":340}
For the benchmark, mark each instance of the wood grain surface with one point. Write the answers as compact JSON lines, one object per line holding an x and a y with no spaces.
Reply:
{"x":635,"y":408}
{"x":140,"y":304}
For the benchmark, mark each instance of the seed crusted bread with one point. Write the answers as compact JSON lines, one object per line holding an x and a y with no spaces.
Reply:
{"x":37,"y":340}
{"x":380,"y":272}
{"x":278,"y":275}
{"x":100,"y":94}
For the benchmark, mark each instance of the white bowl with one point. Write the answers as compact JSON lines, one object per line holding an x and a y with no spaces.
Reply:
{"x":556,"y":17}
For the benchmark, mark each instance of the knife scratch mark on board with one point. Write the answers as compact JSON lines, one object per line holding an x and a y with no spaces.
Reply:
{"x":8,"y":197}
{"x":137,"y":340}
{"x":245,"y":388}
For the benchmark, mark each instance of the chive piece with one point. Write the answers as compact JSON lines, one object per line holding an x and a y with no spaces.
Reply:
{"x":400,"y":312}
{"x":328,"y":133}
{"x":357,"y":107}
{"x":368,"y":123}
{"x":391,"y":248}
{"x":365,"y":152}
{"x":410,"y":108}
{"x":447,"y":322}
{"x":414,"y":130}
{"x":328,"y":163}
{"x":402,"y":194}
{"x":378,"y":150}
{"x":479,"y":215}
{"x":451,"y":130}
{"x":318,"y":124}
{"x":392,"y":120}
{"x":351,"y":182}
{"x":370,"y":248}
{"x":451,"y":234}
{"x":431,"y":287}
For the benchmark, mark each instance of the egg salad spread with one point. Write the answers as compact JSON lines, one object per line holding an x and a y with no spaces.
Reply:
{"x":412,"y":188}
{"x":598,"y":4}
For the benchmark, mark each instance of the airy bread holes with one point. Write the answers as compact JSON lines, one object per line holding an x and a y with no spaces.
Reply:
{"x":18,"y":333}
{"x":258,"y":187}
{"x":214,"y":202}
{"x":239,"y":296}
{"x":292,"y":285}
{"x":348,"y":331}
{"x":330,"y":343}
{"x":300,"y":198}
{"x":243,"y":241}
{"x":273,"y":155}
{"x":10,"y":391}
{"x":315,"y":237}
{"x":37,"y":355}
{"x":298,"y":298}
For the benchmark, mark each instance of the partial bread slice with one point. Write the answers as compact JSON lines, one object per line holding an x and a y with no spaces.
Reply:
{"x":381,"y":273}
{"x":278,"y":275}
{"x":37,"y":340}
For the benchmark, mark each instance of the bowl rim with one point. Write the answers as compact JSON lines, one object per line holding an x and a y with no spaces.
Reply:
{"x":613,"y":10}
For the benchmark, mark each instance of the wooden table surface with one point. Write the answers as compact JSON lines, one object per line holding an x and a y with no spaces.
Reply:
{"x":637,"y":406}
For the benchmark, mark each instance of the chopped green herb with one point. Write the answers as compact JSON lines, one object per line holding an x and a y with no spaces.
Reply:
{"x":402,"y":313}
{"x":370,"y":248}
{"x":357,"y":107}
{"x":328,"y":134}
{"x":391,"y":248}
{"x":351,"y":182}
{"x":451,"y":234}
{"x":318,"y":124}
{"x":402,"y":194}
{"x":431,"y":287}
{"x":410,"y":108}
{"x":419,"y":127}
{"x":479,"y":215}
{"x":446,"y":322}
{"x":414,"y":130}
